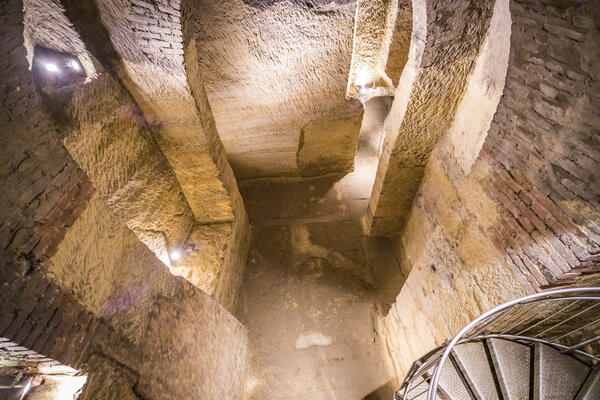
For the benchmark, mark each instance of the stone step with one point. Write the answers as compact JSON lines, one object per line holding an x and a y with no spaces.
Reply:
{"x":556,"y":376}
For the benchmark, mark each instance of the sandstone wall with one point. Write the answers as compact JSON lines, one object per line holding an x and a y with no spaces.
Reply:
{"x":121,"y":381}
{"x":238,"y":244}
{"x":110,"y":138}
{"x":382,"y":30}
{"x":140,"y":44}
{"x":43,"y":193}
{"x":107,"y":268}
{"x":107,"y":135}
{"x":446,"y":39}
{"x":524,"y":215}
{"x":318,"y":138}
{"x":75,"y":280}
{"x":188,"y":134}
{"x":194,"y":349}
{"x":270,"y":69}
{"x":399,"y":41}
{"x":156,"y":312}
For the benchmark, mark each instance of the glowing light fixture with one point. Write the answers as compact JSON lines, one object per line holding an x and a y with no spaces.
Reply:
{"x":51,"y":67}
{"x":175,"y":255}
{"x":75,"y":65}
{"x":69,"y":387}
{"x":363,"y":76}
{"x":26,"y":389}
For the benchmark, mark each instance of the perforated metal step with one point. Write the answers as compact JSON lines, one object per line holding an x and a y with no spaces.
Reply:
{"x":556,"y":376}
{"x":511,"y":362}
{"x":451,"y":384}
{"x":591,"y":387}
{"x":473,"y":362}
{"x":418,"y":392}
{"x":468,"y":374}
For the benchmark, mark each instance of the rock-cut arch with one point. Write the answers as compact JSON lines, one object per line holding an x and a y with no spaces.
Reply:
{"x":453,"y":77}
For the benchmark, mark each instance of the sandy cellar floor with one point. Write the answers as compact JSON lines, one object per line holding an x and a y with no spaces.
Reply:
{"x":309,"y":297}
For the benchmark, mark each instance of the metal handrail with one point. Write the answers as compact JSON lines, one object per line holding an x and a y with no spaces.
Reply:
{"x":472,"y":332}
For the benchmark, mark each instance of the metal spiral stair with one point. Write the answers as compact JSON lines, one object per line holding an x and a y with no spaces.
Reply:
{"x":540,"y":347}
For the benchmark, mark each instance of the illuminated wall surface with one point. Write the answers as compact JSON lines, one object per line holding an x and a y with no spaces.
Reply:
{"x":281,"y":199}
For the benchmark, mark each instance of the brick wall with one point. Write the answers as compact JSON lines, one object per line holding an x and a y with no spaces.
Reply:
{"x":544,"y":145}
{"x":41,"y":318}
{"x":42,"y":189}
{"x":525,"y":216}
{"x":158,"y":27}
{"x":542,"y":242}
{"x":42,"y":193}
{"x":49,"y":322}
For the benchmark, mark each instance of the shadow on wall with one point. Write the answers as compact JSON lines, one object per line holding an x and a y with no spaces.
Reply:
{"x":262,"y":4}
{"x":85,"y":16}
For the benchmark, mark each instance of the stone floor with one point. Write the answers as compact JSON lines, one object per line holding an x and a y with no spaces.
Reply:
{"x":314,"y":290}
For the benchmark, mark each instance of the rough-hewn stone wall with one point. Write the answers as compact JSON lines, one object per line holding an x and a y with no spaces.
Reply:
{"x":109,"y":381}
{"x":110,"y":140}
{"x":238,"y":245}
{"x":399,"y":41}
{"x":113,"y":142}
{"x":132,"y":290}
{"x":141,"y":43}
{"x":119,"y":34}
{"x":74,"y":280}
{"x":525,"y":214}
{"x":47,"y":26}
{"x":107,"y":268}
{"x":446,"y":39}
{"x":271,"y":68}
{"x":382,"y":30}
{"x":43,"y":192}
{"x":195,"y":349}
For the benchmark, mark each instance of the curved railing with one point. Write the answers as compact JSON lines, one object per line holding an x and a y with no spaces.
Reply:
{"x":566,"y":319}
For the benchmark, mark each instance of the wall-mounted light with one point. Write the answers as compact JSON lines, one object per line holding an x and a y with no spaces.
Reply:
{"x":363,"y":77}
{"x":175,"y":254}
{"x":51,"y":67}
{"x":75,"y":65}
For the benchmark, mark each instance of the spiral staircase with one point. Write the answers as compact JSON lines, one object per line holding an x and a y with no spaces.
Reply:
{"x":542,"y":347}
